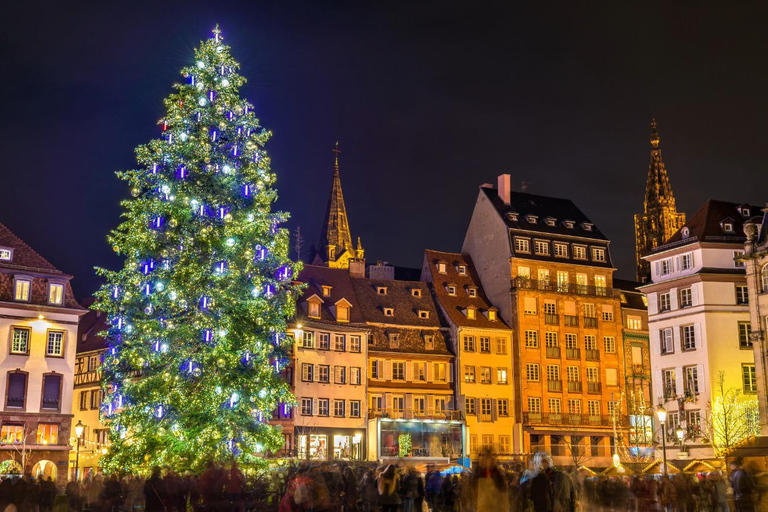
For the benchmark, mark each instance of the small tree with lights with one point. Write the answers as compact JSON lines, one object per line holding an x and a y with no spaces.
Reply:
{"x":198,"y":312}
{"x":733,"y":417}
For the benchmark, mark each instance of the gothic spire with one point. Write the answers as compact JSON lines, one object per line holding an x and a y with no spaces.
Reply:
{"x":658,"y":191}
{"x":335,"y":238}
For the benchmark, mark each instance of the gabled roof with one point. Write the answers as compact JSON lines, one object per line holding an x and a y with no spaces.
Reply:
{"x":338,"y":279}
{"x":629,"y":291}
{"x":399,"y":296}
{"x":91,"y":324}
{"x":24,"y":257}
{"x":706,"y":225}
{"x":453,"y":306}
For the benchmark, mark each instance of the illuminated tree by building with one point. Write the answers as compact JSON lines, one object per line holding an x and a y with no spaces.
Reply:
{"x":198,"y":312}
{"x":733,"y":417}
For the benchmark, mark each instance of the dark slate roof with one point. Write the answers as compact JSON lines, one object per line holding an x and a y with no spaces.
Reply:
{"x":315,"y":277}
{"x":398,"y":296}
{"x":706,"y":225}
{"x":91,"y":324}
{"x":630,"y":293}
{"x":410,"y":340}
{"x":454,"y":306}
{"x":542,"y":206}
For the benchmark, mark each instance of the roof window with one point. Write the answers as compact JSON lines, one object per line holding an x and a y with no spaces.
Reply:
{"x":416,"y":292}
{"x":587,"y":226}
{"x":6,"y":254}
{"x":462,"y":269}
{"x":531,"y":218}
{"x":326,"y":290}
{"x":389,"y":311}
{"x":550,"y":221}
{"x":423,"y":314}
{"x":381,"y":290}
{"x":512,"y":216}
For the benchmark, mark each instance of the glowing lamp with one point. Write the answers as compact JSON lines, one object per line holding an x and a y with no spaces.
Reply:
{"x":79,"y":429}
{"x":680,"y":433}
{"x":661,"y":413}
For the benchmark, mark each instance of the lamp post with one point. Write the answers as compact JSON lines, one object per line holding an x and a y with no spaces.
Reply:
{"x":661,"y":413}
{"x":78,"y":433}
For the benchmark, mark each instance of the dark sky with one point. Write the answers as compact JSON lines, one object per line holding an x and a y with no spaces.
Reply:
{"x":428,"y":100}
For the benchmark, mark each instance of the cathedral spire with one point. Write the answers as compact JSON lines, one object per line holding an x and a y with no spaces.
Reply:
{"x":658,"y":191}
{"x":336,"y":239}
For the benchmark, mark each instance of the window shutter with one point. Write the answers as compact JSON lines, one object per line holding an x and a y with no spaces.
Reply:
{"x":657,"y":268}
{"x":477,"y":406}
{"x":409,"y":371}
{"x":697,"y":334}
{"x":314,"y":407}
{"x":652,"y":303}
{"x":677,"y":263}
{"x":494,"y":409}
{"x":701,"y":379}
{"x":657,"y":384}
{"x":388,"y":370}
{"x":695,"y":296}
{"x":387,"y":399}
{"x":676,"y":341}
{"x":51,"y":392}
{"x":430,"y":373}
{"x":409,"y":402}
{"x":673,"y":298}
{"x":430,"y":404}
{"x":450,"y":403}
{"x":449,"y":372}
{"x":679,"y":380}
{"x":655,"y":336}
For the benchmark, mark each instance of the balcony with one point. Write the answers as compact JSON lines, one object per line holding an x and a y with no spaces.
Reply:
{"x":638,"y":370}
{"x":550,"y":286}
{"x":590,"y":322}
{"x":415,"y":414}
{"x":592,"y":354}
{"x":573,"y":353}
{"x":530,"y":418}
{"x":553,"y":352}
{"x":551,"y":319}
{"x":571,"y":321}
{"x":574,"y":386}
{"x":594,"y":387}
{"x":555,"y":385}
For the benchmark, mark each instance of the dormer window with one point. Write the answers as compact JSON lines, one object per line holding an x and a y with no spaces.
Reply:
{"x":343,"y":308}
{"x":6,"y":254}
{"x":381,"y":290}
{"x":462,"y":269}
{"x":394,"y":340}
{"x":423,"y":314}
{"x":727,"y":225}
{"x":55,"y":293}
{"x":512,"y":216}
{"x":522,"y":244}
{"x":492,"y":315}
{"x":744,"y":210}
{"x":416,"y":292}
{"x":550,"y":221}
{"x":22,"y":289}
{"x":685,"y":232}
{"x":389,"y":311}
{"x":442,"y":267}
{"x":471,"y":312}
{"x":313,"y":306}
{"x":429,"y":342}
{"x":327,"y":290}
{"x":531,"y":218}
{"x":569,"y":224}
{"x":598,"y":254}
{"x":472,"y":291}
{"x":451,"y":289}
{"x":587,"y":226}
{"x":542,"y":248}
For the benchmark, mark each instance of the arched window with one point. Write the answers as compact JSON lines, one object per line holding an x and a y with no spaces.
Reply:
{"x":764,"y":278}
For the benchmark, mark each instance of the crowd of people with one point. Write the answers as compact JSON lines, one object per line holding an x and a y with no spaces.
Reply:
{"x":326,"y":487}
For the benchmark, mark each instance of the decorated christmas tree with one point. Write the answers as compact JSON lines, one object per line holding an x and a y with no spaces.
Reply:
{"x":198,"y":312}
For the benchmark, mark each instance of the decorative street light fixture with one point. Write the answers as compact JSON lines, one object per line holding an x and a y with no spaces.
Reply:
{"x":661,"y":413}
{"x":680,"y":433}
{"x":79,"y":428}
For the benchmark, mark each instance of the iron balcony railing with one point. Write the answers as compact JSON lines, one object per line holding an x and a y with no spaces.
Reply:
{"x":531,"y":418}
{"x":551,"y":286}
{"x":574,"y":386}
{"x":571,"y":321}
{"x":573,"y":353}
{"x":553,"y":352}
{"x":555,"y":385}
{"x":594,"y":387}
{"x":592,"y":354}
{"x":415,"y":414}
{"x":551,"y":319}
{"x":590,"y":322}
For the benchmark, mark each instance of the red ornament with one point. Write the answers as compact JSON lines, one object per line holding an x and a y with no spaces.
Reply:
{"x":165,"y":125}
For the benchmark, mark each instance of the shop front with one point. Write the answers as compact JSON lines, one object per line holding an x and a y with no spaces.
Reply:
{"x":417,"y":438}
{"x":317,"y":443}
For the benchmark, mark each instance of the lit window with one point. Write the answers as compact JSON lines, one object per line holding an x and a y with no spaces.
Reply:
{"x":471,"y":313}
{"x":389,"y":312}
{"x":6,"y":254}
{"x":55,"y":293}
{"x":469,"y":374}
{"x":327,"y":291}
{"x":579,"y":252}
{"x":492,"y":315}
{"x":438,"y":370}
{"x":634,"y":323}
{"x":47,"y":433}
{"x":441,"y":267}
{"x":22,"y":290}
{"x":737,"y":259}
{"x":342,"y":313}
{"x":598,"y":254}
{"x":381,"y":290}
{"x":55,"y":345}
{"x":561,"y":250}
{"x":423,"y":314}
{"x":12,"y":434}
{"x":501,"y":375}
{"x":522,"y":245}
{"x":462,"y":270}
{"x":314,"y":309}
{"x":542,"y":248}
{"x":20,"y":340}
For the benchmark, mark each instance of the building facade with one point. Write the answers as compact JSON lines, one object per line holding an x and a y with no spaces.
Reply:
{"x":699,"y":322}
{"x":482,"y":345}
{"x":548,"y":270}
{"x":411,"y":406}
{"x":660,"y":218}
{"x":38,"y":328}
{"x":329,"y":369}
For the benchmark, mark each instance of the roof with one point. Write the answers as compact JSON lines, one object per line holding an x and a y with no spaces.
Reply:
{"x":315,"y":277}
{"x":89,"y":329}
{"x":399,"y":296}
{"x":632,"y":297}
{"x":454,"y":306}
{"x":706,"y":225}
{"x":24,"y":257}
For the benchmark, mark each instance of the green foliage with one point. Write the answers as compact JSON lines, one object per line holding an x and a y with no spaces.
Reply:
{"x":405,"y":444}
{"x":733,"y":417}
{"x":199,"y":310}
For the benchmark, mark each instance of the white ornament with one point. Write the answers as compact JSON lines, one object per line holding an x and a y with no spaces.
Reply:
{"x":200,"y":64}
{"x":225,"y":82}
{"x":202,"y":102}
{"x":183,"y":136}
{"x":230,"y":242}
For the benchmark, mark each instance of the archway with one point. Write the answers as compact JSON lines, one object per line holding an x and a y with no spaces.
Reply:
{"x":43,"y":470}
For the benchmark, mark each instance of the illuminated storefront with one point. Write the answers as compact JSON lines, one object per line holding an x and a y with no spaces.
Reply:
{"x":423,"y":438}
{"x":330,"y":444}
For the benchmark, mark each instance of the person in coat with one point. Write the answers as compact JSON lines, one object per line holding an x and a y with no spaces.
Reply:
{"x":743,"y":487}
{"x":155,"y":492}
{"x":388,"y":484}
{"x":551,"y":489}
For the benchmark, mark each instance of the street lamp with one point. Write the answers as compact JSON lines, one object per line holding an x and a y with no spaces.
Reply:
{"x":79,"y":433}
{"x":680,"y":433}
{"x":661,"y":413}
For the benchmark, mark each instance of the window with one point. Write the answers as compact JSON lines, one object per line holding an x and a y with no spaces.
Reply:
{"x":55,"y":345}
{"x":670,"y":383}
{"x":574,"y":406}
{"x":728,"y":227}
{"x":590,"y":342}
{"x":439,"y":372}
{"x":504,"y":445}
{"x":307,"y":372}
{"x":423,"y":314}
{"x":342,"y":313}
{"x":607,"y":313}
{"x":354,"y":343}
{"x":338,"y":408}
{"x":324,"y":341}
{"x":748,"y":378}
{"x":598,"y":254}
{"x":522,"y":245}
{"x":95,"y":399}
{"x":20,"y":340}
{"x":579,"y":252}
{"x":83,"y":400}
{"x":492,"y":315}
{"x":429,"y":342}
{"x":666,"y":266}
{"x":543,"y":276}
{"x":503,"y":407}
{"x":686,"y":261}
{"x":550,"y":339}
{"x":534,"y":404}
{"x":17,"y":390}
{"x":323,"y":373}
{"x":354,"y":408}
{"x":47,"y":433}
{"x":688,"y":334}
{"x":381,"y":290}
{"x":486,"y":407}
{"x":600,"y":285}
{"x":501,"y":346}
{"x":532,"y":372}
{"x":485,"y":375}
{"x":745,"y":330}
{"x":441,"y":267}
{"x":398,"y":371}
{"x":667,"y":342}
{"x":764,"y":279}
{"x":611,"y":377}
{"x":472,"y":292}
{"x":420,"y":371}
{"x":542,"y":248}
{"x":485,"y":345}
{"x":416,"y":292}
{"x":686,"y":298}
{"x":394,"y":340}
{"x":553,"y":372}
{"x":313,"y":309}
{"x":22,"y":290}
{"x":530,"y":307}
{"x":634,"y":323}
{"x":93,"y":363}
{"x":532,"y":339}
{"x":339,"y":342}
{"x":469,"y":405}
{"x":308,"y":341}
{"x":340,"y":374}
{"x":554,"y":406}
{"x":389,"y":312}
{"x":691,"y":380}
{"x":6,"y":254}
{"x":354,"y":376}
{"x":471,"y":313}
{"x":55,"y":293}
{"x":469,"y":343}
{"x":462,"y":269}
{"x":377,"y":403}
{"x":572,"y":374}
{"x":326,"y":290}
{"x":737,"y":261}
{"x":469,"y":374}
{"x":398,"y":403}
{"x":561,"y":250}
{"x":612,"y":408}
{"x":562,"y":281}
{"x":593,"y":374}
{"x":590,"y":311}
{"x":12,"y":433}
{"x":323,"y":405}
{"x":571,"y":341}
{"x":742,"y":295}
{"x":524,"y":274}
{"x":609,"y":343}
{"x":664,"y":302}
{"x":501,"y":375}
{"x":593,"y":407}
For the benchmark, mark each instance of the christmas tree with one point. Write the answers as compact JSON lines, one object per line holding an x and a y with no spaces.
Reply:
{"x":198,"y":312}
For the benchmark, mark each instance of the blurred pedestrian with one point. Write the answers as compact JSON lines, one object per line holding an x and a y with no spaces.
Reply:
{"x":743,"y":487}
{"x":155,"y":493}
{"x":551,"y":489}
{"x":388,"y":483}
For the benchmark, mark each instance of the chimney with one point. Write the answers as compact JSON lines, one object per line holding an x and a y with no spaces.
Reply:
{"x":357,"y":268}
{"x":505,"y":187}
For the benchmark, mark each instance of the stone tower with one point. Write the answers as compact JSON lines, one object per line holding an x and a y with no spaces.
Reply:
{"x":336,"y":249}
{"x":660,"y":218}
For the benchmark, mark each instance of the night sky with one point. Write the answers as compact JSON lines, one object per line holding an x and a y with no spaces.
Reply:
{"x":428,"y":100}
